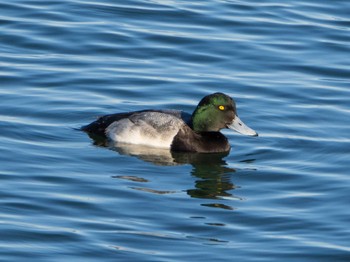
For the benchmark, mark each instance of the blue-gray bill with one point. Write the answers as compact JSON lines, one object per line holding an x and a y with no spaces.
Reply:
{"x":242,"y":128}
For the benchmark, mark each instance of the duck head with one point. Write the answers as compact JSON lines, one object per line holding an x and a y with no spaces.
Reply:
{"x":217,"y":111}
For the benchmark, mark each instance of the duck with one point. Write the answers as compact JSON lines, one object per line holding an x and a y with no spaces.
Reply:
{"x":174,"y":129}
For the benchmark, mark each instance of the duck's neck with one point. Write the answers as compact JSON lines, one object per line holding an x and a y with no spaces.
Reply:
{"x":200,"y":121}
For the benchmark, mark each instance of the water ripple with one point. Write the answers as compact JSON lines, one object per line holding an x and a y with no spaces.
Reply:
{"x":283,"y":195}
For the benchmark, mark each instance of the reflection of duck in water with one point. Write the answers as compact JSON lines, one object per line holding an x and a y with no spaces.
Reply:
{"x":213,"y":180}
{"x":175,"y":130}
{"x":213,"y":176}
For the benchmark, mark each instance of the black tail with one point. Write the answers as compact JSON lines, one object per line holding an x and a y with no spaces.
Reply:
{"x":99,"y":126}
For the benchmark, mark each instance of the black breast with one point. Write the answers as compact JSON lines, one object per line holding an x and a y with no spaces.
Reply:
{"x":187,"y":140}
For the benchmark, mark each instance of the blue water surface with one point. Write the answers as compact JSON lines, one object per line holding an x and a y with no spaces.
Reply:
{"x":282,"y":196}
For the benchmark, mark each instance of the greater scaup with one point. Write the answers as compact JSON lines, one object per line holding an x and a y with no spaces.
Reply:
{"x":176,"y":130}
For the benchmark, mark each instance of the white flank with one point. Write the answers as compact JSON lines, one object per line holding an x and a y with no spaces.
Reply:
{"x":154,"y":129}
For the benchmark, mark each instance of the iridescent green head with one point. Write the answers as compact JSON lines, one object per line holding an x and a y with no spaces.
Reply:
{"x":217,"y":111}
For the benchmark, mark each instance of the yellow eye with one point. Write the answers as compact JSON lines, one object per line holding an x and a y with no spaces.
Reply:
{"x":221,"y":108}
